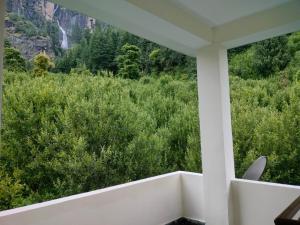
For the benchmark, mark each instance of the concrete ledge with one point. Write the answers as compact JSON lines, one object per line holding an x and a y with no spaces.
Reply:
{"x":151,"y":201}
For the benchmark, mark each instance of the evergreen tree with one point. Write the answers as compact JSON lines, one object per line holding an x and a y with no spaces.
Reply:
{"x":77,"y":33}
{"x":101,"y":55}
{"x":129,"y":62}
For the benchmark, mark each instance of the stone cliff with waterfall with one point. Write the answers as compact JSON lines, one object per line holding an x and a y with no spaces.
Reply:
{"x":40,"y":25}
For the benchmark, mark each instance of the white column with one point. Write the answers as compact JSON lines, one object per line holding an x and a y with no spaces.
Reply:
{"x":2,"y":31}
{"x":216,"y":134}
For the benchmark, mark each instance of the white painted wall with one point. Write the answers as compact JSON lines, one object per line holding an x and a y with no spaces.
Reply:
{"x":151,"y":201}
{"x":259,"y":203}
{"x":192,"y":196}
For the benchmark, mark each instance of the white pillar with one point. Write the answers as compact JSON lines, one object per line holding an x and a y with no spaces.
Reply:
{"x":2,"y":31}
{"x":216,"y":134}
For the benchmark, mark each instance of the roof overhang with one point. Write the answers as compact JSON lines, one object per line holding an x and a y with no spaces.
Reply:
{"x":188,"y":25}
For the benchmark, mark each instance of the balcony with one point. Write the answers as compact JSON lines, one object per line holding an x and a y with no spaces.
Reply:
{"x":217,"y":197}
{"x":157,"y":201}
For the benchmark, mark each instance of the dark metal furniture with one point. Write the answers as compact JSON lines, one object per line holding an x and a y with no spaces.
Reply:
{"x":287,"y":216}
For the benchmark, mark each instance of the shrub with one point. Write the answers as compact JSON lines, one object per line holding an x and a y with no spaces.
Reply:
{"x":242,"y":64}
{"x":13,"y":60}
{"x":69,"y":134}
{"x":271,"y":55}
{"x":42,"y":64}
{"x":294,"y":43}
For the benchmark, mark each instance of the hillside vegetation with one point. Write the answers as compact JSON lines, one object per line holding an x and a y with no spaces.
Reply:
{"x":88,"y":128}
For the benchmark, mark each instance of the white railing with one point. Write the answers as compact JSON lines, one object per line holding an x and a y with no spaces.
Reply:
{"x":152,"y":201}
{"x":259,"y":203}
{"x":156,"y":201}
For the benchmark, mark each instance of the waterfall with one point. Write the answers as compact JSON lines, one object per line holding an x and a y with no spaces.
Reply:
{"x":55,"y":9}
{"x":64,"y":43}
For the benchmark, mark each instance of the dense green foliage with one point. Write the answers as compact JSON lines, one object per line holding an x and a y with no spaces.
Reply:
{"x":120,"y":108}
{"x":13,"y":60}
{"x":23,"y":26}
{"x":68,"y":134}
{"x":100,"y":50}
{"x":262,"y":59}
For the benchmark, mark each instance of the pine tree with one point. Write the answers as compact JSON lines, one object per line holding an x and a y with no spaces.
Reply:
{"x":101,"y":55}
{"x":129,"y":62}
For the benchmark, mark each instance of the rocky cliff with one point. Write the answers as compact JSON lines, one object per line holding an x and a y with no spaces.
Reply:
{"x":50,"y":11}
{"x":39,"y":12}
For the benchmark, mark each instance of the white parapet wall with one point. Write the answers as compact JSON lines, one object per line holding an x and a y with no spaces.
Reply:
{"x":156,"y":201}
{"x":151,"y":201}
{"x":192,"y":196}
{"x":259,"y":203}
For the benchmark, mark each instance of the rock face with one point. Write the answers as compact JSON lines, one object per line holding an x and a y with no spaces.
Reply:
{"x":50,"y":11}
{"x":35,"y":10}
{"x":30,"y":46}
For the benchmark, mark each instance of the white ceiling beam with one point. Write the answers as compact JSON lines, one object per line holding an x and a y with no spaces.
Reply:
{"x":176,"y":15}
{"x":259,"y":26}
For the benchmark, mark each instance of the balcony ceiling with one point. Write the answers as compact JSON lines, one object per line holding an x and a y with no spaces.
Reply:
{"x":188,"y":25}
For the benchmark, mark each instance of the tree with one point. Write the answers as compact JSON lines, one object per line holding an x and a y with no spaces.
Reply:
{"x":7,"y":44}
{"x":155,"y":58}
{"x":294,"y":43}
{"x":77,"y":33}
{"x":101,"y":55}
{"x":271,"y":55}
{"x":129,"y":62}
{"x":42,"y":64}
{"x":13,"y":60}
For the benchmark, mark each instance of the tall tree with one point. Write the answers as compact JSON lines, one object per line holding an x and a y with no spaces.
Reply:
{"x":101,"y":55}
{"x":129,"y":62}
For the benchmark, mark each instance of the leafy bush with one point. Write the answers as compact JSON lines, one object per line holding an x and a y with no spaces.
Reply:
{"x":271,"y":55}
{"x":13,"y":60}
{"x":265,"y":118}
{"x":262,"y":59}
{"x":10,"y":191}
{"x":70,"y":134}
{"x":42,"y":64}
{"x":242,"y":64}
{"x":294,"y":43}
